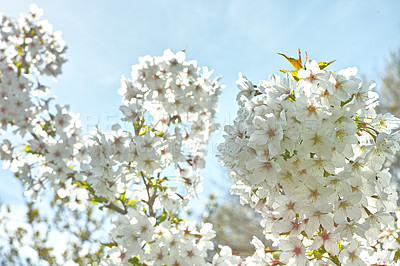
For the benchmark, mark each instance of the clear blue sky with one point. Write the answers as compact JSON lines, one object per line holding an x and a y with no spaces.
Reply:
{"x":105,"y":38}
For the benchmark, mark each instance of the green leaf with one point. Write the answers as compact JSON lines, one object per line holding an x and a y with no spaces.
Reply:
{"x":286,"y":155}
{"x":110,"y":245}
{"x":326,"y":173}
{"x":82,"y":184}
{"x":32,"y":214}
{"x":27,"y":148}
{"x":135,"y":261}
{"x":397,"y":255}
{"x":96,"y":199}
{"x":162,"y":217}
{"x":122,"y":197}
{"x":131,"y":202}
{"x":159,"y":134}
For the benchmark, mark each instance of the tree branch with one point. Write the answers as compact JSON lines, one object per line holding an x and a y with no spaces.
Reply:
{"x":114,"y":207}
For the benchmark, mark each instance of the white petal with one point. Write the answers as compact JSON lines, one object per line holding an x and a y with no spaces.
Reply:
{"x":332,"y":247}
{"x":312,"y":226}
{"x":317,"y":243}
{"x":327,"y":222}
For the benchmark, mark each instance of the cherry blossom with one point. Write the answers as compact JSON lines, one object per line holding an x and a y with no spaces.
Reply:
{"x":308,"y":151}
{"x":309,"y":156}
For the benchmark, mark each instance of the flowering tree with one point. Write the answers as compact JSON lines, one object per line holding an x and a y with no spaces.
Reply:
{"x":305,"y":151}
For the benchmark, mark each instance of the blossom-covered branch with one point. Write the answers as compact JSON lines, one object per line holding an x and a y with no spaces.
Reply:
{"x":308,"y":154}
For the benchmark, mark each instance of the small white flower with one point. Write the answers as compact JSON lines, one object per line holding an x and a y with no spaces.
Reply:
{"x":293,"y":252}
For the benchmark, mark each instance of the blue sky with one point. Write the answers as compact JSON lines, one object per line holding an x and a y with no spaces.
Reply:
{"x":105,"y":38}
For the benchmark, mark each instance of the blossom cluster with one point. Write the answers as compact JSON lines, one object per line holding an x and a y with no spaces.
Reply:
{"x":171,"y":104}
{"x":309,"y":156}
{"x":166,"y":244}
{"x":30,"y":47}
{"x":307,"y":152}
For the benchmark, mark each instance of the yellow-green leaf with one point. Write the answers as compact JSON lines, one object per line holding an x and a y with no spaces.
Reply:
{"x":110,"y":245}
{"x":293,"y":72}
{"x":27,"y":148}
{"x":322,"y":65}
{"x":122,"y":197}
{"x":130,"y":202}
{"x":295,"y":62}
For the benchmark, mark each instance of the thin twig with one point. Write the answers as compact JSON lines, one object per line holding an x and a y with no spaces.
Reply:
{"x":150,"y":202}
